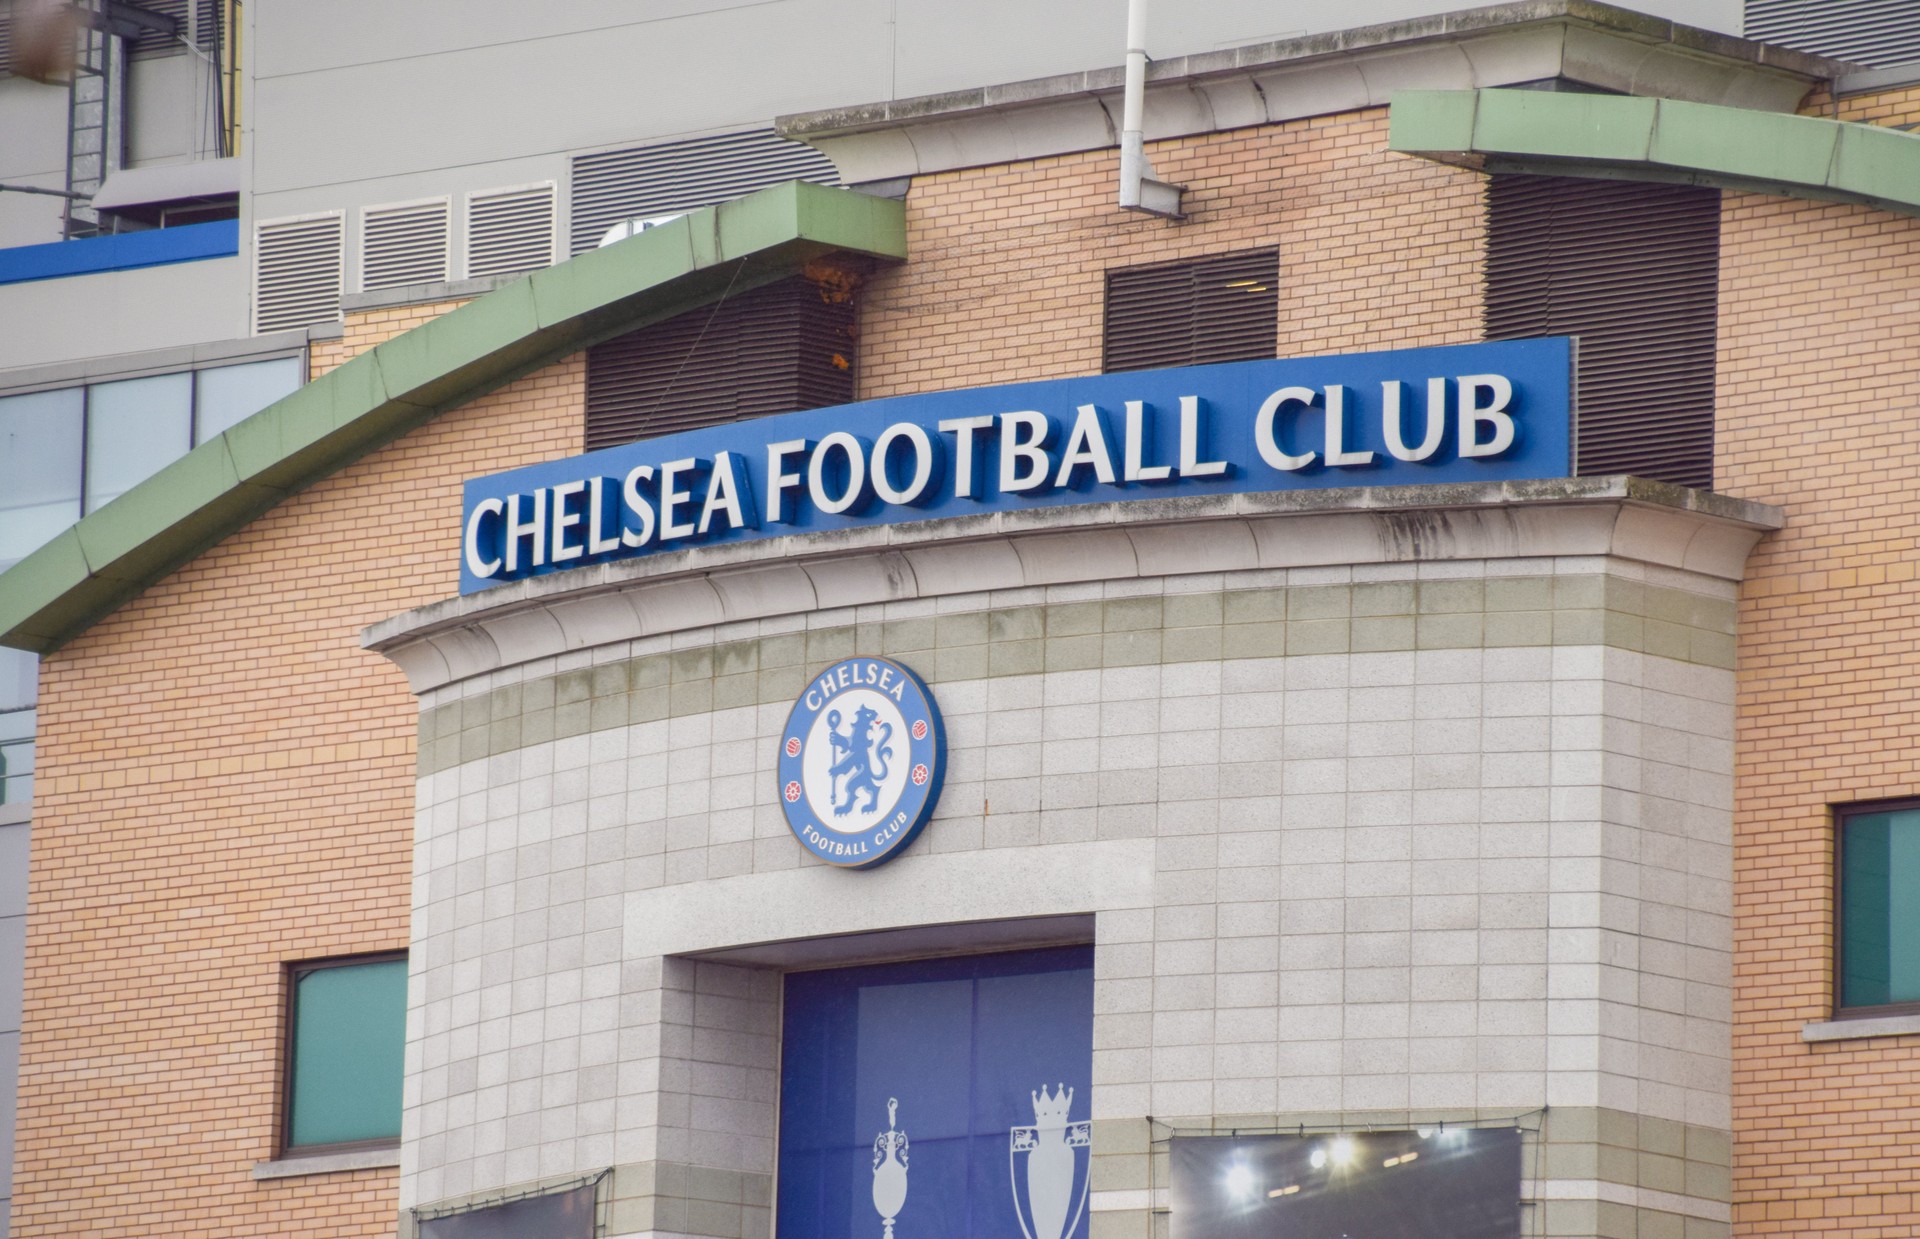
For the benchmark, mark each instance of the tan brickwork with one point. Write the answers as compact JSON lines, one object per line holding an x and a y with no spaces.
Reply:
{"x":1819,"y":349}
{"x":1006,"y":279}
{"x":183,"y":855}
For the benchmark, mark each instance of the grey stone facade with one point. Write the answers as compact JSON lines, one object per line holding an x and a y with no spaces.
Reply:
{"x":1406,"y":839}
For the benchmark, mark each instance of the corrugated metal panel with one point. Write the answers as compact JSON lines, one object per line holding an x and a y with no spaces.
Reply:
{"x":510,"y":230}
{"x":775,"y":349}
{"x":671,"y":177}
{"x":403,"y":244}
{"x":1221,"y":308}
{"x":1881,"y":33}
{"x":297,"y":266}
{"x":1632,"y":270}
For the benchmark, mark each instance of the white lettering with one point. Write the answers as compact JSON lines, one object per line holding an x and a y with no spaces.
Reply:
{"x":482,"y":568}
{"x":723,"y":494}
{"x":1337,"y":453}
{"x":779,"y":480}
{"x":1266,"y":434}
{"x":1391,"y":392}
{"x":1191,"y":466}
{"x":565,"y":519}
{"x":922,"y":463}
{"x":1136,"y":470}
{"x":1086,"y":445}
{"x":1474,"y":414}
{"x":1028,"y":450}
{"x":856,"y":475}
{"x":598,"y":543}
{"x":637,"y":504}
{"x":671,"y":498}
{"x":962,"y":429}
{"x":532,"y":529}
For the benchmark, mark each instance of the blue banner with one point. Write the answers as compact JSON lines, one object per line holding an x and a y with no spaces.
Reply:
{"x":947,"y":1097}
{"x":1475,"y":412}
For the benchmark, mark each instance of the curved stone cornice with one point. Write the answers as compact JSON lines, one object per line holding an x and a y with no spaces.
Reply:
{"x":1627,"y":518}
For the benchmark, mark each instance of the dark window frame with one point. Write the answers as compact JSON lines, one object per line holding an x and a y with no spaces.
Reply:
{"x":289,"y":1010}
{"x":1841,"y":815}
{"x":1123,"y":350}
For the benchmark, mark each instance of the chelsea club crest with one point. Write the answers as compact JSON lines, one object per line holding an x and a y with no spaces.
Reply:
{"x":861,"y":760}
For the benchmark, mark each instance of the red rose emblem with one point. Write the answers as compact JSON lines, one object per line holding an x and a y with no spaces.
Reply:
{"x":919,"y":775}
{"x":793,"y":791}
{"x":793,"y":746}
{"x":919,"y":729}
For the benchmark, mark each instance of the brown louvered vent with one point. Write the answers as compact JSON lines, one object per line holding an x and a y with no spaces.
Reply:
{"x":775,"y":349}
{"x":6,"y":40}
{"x":1631,"y":269}
{"x":1221,"y":308}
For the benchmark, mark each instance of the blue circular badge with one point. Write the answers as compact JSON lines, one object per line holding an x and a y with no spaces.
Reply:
{"x":861,"y":760}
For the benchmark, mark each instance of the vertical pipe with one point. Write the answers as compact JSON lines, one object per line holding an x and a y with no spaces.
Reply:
{"x":1133,"y":160}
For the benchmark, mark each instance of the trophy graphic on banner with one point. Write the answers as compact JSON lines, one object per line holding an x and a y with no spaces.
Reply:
{"x":1057,"y":1153}
{"x":890,"y":1170}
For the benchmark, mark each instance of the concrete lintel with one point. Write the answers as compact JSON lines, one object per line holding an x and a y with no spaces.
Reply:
{"x":1628,"y":518}
{"x":1576,"y":41}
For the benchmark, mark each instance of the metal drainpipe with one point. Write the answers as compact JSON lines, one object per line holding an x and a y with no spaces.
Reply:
{"x":1139,"y":191}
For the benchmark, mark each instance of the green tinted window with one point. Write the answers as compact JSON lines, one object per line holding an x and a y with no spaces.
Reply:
{"x":349,"y":1042}
{"x":1880,"y":908}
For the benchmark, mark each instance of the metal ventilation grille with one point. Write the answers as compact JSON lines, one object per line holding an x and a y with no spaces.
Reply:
{"x":672,"y":177}
{"x":1880,"y":33}
{"x":6,"y":40}
{"x":296,"y":273}
{"x":775,"y":349}
{"x":1222,"y":308}
{"x":509,"y":231}
{"x":403,"y":244}
{"x":1633,"y":271}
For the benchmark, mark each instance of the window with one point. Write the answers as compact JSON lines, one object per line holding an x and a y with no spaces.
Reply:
{"x":1879,"y":909}
{"x":1225,"y":307}
{"x":1633,"y":270}
{"x":346,"y":1043}
{"x":787,"y":346}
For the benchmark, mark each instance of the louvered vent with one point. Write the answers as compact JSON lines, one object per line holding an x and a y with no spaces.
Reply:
{"x":775,"y":349}
{"x":1222,"y":308}
{"x":614,"y":186}
{"x":152,"y":42}
{"x":1632,"y":270}
{"x":6,"y":40}
{"x":403,"y":244}
{"x":296,"y":273}
{"x":1881,"y":33}
{"x":509,"y":231}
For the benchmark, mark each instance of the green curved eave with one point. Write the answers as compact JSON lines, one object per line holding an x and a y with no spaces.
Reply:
{"x":1661,"y":140}
{"x":55,"y":593}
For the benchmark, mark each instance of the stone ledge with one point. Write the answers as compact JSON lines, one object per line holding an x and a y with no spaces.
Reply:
{"x":327,"y":1163}
{"x":1628,"y":518}
{"x":1858,"y":1028}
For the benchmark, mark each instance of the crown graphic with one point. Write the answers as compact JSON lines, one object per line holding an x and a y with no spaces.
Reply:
{"x":1050,"y":1111}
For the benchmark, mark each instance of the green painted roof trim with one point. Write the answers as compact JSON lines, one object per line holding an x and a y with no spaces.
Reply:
{"x":1661,"y":139}
{"x":55,"y":593}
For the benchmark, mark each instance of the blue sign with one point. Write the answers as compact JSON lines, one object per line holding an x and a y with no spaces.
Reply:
{"x":939,"y":1099}
{"x":861,"y":761}
{"x":1474,"y":412}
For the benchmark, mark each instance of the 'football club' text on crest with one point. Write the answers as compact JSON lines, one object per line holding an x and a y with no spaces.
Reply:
{"x":861,"y":760}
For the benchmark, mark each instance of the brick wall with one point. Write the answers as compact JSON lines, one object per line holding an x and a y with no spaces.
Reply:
{"x":1817,"y":391}
{"x":1007,"y":275}
{"x":182,"y":856}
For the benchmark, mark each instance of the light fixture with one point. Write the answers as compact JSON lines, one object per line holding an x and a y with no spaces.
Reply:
{"x":1318,"y":1159}
{"x":1278,"y":1192}
{"x":1341,"y":1151}
{"x":1239,"y":1182}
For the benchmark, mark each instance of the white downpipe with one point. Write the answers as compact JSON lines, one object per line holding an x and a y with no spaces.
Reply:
{"x":1133,"y":157}
{"x":1139,"y":191}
